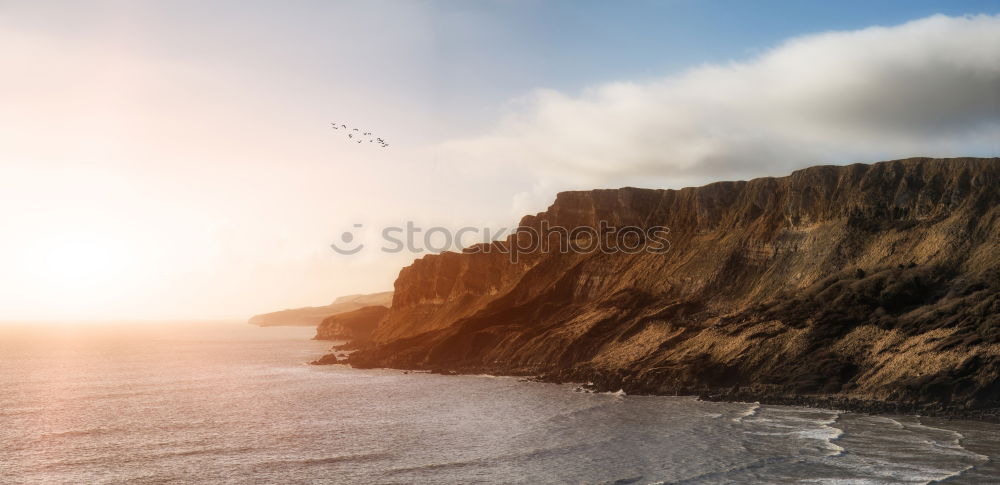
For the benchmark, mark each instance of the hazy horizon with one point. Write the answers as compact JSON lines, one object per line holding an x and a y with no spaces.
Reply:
{"x":175,"y":161}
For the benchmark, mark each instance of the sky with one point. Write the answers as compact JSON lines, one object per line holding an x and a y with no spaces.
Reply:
{"x":175,"y":160}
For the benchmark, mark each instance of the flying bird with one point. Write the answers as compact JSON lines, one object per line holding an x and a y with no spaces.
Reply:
{"x":367,"y":134}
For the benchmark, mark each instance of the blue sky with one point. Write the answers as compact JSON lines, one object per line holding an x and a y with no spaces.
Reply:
{"x":569,"y":44}
{"x":463,"y":60}
{"x":483,"y":53}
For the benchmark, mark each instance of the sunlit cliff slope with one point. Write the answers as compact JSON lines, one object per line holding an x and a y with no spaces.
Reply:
{"x":840,"y":284}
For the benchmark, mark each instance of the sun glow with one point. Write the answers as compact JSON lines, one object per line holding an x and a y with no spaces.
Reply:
{"x":82,"y":269}
{"x":78,"y":261}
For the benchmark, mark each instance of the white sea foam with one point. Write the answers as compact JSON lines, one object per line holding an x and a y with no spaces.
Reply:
{"x":749,"y":412}
{"x":796,"y":423}
{"x":952,"y":444}
{"x":827,"y":434}
{"x":491,"y":376}
{"x":907,"y":452}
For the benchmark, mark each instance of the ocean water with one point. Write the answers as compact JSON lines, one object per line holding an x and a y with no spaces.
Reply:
{"x":231,"y":403}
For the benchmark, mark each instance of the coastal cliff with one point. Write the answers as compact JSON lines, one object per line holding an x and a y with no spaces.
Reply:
{"x":355,"y":326}
{"x":314,"y":315}
{"x":867,"y":286}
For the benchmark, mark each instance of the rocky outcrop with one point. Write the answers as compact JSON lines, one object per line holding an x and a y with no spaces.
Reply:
{"x":854,"y":284}
{"x":312,"y":316}
{"x":328,"y":359}
{"x":354,"y":326}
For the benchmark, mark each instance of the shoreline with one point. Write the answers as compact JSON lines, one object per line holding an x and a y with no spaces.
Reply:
{"x":597,"y":382}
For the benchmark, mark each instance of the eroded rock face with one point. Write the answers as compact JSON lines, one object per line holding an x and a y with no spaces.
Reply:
{"x":760,"y":294}
{"x":356,"y":325}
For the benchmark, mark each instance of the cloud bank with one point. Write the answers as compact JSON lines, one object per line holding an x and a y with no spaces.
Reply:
{"x":928,"y":87}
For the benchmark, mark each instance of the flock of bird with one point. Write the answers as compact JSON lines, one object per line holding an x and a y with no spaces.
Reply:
{"x":354,"y":134}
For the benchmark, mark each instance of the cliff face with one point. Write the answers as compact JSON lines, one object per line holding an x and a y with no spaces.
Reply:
{"x":313,"y":315}
{"x":356,"y":325}
{"x":878,"y":283}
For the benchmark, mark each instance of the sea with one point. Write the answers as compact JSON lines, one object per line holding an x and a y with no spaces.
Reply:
{"x":215,"y":402}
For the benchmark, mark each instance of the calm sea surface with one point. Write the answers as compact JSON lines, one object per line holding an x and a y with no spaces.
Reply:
{"x":231,"y":403}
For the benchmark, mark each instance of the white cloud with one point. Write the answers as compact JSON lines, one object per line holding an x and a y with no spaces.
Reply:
{"x":927,"y":87}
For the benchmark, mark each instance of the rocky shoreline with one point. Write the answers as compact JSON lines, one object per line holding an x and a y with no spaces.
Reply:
{"x":750,"y":394}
